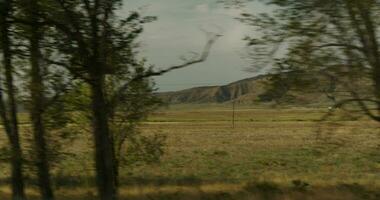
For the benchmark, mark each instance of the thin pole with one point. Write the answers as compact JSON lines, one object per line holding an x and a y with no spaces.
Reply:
{"x":233,"y":114}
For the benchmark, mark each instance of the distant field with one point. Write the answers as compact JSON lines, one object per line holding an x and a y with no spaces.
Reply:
{"x":269,"y":154}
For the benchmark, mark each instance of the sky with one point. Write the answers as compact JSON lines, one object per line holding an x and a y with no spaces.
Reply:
{"x":178,"y":31}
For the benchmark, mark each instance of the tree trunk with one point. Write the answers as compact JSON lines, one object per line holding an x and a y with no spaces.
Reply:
{"x":376,"y":79}
{"x":17,"y":175}
{"x":37,"y":106}
{"x":38,"y":125}
{"x":11,"y":122}
{"x":373,"y":47}
{"x":104,"y":153}
{"x":18,"y":192}
{"x":367,"y":34}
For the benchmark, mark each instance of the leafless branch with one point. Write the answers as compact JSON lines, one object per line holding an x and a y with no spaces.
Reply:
{"x":151,"y":73}
{"x":75,"y":71}
{"x":364,"y":107}
{"x":339,"y":45}
{"x":76,"y":33}
{"x":202,"y":58}
{"x":361,"y":103}
{"x":57,"y":95}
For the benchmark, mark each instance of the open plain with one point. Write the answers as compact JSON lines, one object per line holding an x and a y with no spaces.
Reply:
{"x":266,"y":153}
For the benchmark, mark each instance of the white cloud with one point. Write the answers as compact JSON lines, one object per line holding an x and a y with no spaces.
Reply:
{"x":177,"y":32}
{"x":203,"y":8}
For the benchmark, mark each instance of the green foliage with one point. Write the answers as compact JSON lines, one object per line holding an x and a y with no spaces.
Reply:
{"x":320,"y":46}
{"x":300,"y":185}
{"x":143,"y":149}
{"x":126,"y":112}
{"x":5,"y":153}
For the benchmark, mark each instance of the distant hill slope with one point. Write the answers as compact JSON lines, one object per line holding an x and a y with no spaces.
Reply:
{"x":216,"y":94}
{"x":251,"y":90}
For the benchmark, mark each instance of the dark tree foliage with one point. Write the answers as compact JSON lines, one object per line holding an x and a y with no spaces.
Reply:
{"x":336,"y":40}
{"x":98,"y":48}
{"x":80,"y":59}
{"x":8,"y":101}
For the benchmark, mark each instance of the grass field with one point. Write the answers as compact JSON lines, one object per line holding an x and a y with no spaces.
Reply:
{"x":269,"y":154}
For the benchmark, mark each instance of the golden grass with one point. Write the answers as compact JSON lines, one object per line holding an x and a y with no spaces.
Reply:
{"x":205,"y":158}
{"x":262,"y":191}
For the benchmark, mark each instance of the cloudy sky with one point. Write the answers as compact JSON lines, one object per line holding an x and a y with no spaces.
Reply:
{"x":178,"y":32}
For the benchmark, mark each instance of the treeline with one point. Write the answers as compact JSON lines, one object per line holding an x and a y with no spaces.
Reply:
{"x":61,"y":59}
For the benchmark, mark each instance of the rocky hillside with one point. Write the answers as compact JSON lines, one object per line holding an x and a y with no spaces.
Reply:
{"x":216,"y":94}
{"x":255,"y":91}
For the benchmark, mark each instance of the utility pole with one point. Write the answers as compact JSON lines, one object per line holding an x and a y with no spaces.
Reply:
{"x":233,"y":114}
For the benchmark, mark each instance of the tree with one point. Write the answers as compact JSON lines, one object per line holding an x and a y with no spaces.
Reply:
{"x":125,"y":115}
{"x":37,"y":94}
{"x":21,"y":40}
{"x":336,"y":39}
{"x":8,"y":103}
{"x":98,"y":45}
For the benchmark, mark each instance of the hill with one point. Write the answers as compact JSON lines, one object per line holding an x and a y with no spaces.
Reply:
{"x":310,"y":89}
{"x":217,"y":94}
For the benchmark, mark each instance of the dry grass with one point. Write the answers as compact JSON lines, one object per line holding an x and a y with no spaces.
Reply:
{"x":270,"y":154}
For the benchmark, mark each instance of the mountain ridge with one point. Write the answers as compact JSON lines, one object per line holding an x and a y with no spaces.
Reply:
{"x":306,"y":89}
{"x":215,"y":94}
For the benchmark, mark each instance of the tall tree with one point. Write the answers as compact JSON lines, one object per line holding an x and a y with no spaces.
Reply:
{"x":99,"y":44}
{"x":337,"y":39}
{"x":37,"y":104}
{"x":125,"y":115}
{"x":8,"y":103}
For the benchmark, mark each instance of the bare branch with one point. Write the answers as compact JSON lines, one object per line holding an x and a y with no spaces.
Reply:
{"x":88,"y":6}
{"x":202,"y":58}
{"x":57,"y":95}
{"x":75,"y":71}
{"x":76,"y":33}
{"x":349,"y":46}
{"x":361,"y":103}
{"x":364,"y":107}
